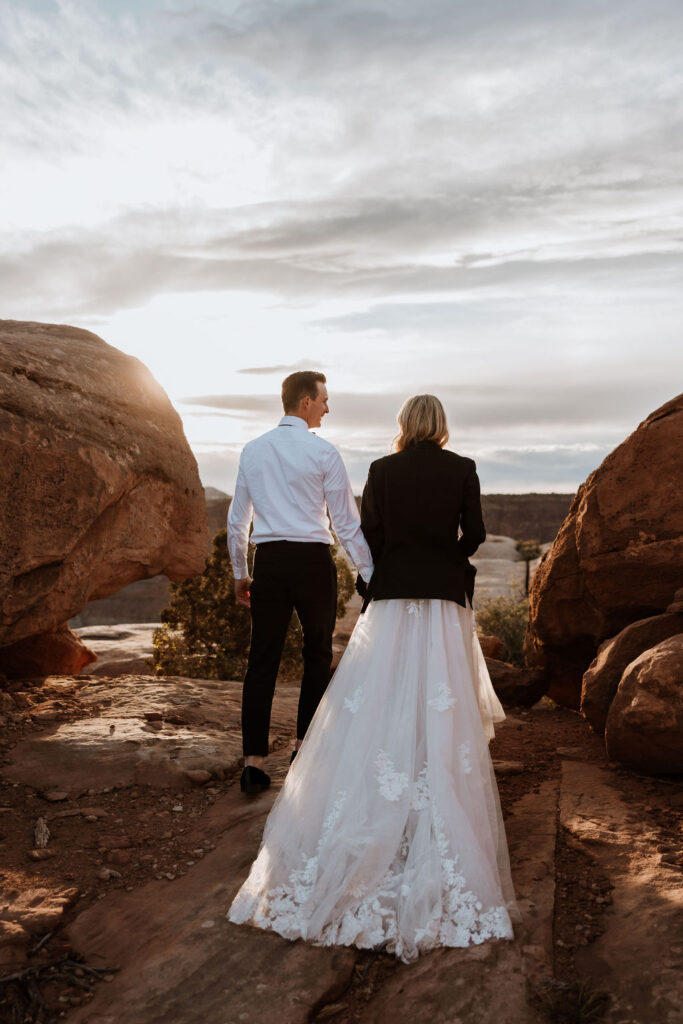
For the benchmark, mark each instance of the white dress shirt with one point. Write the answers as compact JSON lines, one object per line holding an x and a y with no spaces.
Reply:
{"x":286,"y":478}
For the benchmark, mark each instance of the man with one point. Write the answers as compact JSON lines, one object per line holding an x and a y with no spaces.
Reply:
{"x":288,"y":479}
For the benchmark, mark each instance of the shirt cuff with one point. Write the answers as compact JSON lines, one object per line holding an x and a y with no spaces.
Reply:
{"x":366,"y":574}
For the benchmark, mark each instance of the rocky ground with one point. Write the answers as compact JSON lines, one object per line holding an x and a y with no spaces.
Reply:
{"x":124,"y":837}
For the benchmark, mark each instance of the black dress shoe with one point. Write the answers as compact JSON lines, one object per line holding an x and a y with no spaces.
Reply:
{"x":254,"y":780}
{"x":292,"y":757}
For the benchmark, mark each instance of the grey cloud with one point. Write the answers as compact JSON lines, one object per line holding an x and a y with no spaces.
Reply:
{"x":88,"y":274}
{"x":574,"y":403}
{"x":302,"y":364}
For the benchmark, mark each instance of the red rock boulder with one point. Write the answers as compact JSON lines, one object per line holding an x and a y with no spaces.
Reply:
{"x":57,"y":652}
{"x":492,"y":647}
{"x":617,"y":558}
{"x":602,"y":678}
{"x":100,"y":487}
{"x":515,"y":687}
{"x":644,"y":727}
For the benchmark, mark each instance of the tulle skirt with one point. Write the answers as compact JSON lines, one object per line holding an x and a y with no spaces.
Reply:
{"x":388,"y":831}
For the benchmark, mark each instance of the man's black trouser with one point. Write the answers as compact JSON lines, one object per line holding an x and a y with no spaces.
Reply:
{"x":287,"y":575}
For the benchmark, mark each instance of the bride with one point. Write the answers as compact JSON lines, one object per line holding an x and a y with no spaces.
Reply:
{"x":388,"y":831}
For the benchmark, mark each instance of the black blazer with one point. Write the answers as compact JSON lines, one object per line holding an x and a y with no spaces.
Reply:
{"x":412,"y":505}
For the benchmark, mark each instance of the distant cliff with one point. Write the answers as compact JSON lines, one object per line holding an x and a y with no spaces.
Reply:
{"x":520,"y":516}
{"x":525,"y":516}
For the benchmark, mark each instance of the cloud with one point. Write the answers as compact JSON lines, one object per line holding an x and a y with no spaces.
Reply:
{"x":574,"y":403}
{"x":302,"y":364}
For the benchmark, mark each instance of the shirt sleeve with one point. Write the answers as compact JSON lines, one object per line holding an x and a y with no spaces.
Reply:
{"x":471,"y":518}
{"x":370,"y":518}
{"x":344,"y":514}
{"x":239,"y":520}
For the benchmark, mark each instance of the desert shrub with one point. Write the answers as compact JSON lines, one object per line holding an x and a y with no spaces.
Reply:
{"x":205,"y":633}
{"x":506,"y":618}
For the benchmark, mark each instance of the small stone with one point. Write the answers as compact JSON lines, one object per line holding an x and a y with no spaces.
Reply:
{"x":106,"y":873}
{"x":41,"y":833}
{"x":154,"y":716}
{"x":508,"y":767}
{"x":178,"y":808}
{"x":198,"y":776}
{"x":119,"y":856}
{"x":208,"y":924}
{"x":90,"y":817}
{"x":55,"y":794}
{"x":41,"y":854}
{"x":329,"y":1011}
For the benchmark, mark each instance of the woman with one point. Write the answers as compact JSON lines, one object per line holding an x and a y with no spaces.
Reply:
{"x":388,"y":831}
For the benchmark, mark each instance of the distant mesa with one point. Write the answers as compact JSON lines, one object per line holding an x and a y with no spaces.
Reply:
{"x":617,"y":559}
{"x":100,"y":488}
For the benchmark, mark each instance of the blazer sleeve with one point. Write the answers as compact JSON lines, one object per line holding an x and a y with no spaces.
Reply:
{"x":370,"y":515}
{"x":471,"y":518}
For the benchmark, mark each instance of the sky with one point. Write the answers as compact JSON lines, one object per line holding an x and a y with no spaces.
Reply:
{"x":479,"y":199}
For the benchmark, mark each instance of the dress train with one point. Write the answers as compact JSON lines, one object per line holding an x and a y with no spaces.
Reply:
{"x":388,"y":830}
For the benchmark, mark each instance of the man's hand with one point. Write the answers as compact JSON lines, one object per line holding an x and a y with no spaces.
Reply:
{"x":242,"y":591}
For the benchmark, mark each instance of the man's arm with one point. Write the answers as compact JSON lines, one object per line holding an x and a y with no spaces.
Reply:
{"x":344,"y":514}
{"x":471,"y":518}
{"x":239,"y":520}
{"x":370,"y":519}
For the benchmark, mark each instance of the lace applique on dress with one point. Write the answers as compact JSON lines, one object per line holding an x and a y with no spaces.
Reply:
{"x":444,"y":698}
{"x":391,"y":782}
{"x":420,"y":798}
{"x":281,"y":908}
{"x":371,"y":920}
{"x":463,"y":920}
{"x":352,"y":704}
{"x":416,"y":607}
{"x":465,"y":758}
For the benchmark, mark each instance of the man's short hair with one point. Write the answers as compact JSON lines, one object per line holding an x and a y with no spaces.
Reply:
{"x":298,"y":385}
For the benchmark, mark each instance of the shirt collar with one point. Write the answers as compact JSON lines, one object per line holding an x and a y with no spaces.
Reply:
{"x":293,"y":421}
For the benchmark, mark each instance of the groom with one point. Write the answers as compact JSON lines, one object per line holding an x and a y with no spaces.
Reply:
{"x":287,"y":481}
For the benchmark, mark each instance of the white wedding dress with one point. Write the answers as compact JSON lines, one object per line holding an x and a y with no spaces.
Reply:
{"x":388,"y":831}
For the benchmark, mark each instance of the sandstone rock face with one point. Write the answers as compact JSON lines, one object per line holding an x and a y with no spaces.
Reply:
{"x":618,"y":556}
{"x":492,"y":647}
{"x":25,"y":914}
{"x":601,"y":681}
{"x":645,"y":722}
{"x":101,"y":486}
{"x":515,"y":687}
{"x":144,"y":600}
{"x":59,"y":650}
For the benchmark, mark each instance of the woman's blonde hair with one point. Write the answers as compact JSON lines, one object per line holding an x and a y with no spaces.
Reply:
{"x":421,"y":418}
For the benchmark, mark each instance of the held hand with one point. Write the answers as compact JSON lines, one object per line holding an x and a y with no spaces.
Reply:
{"x":242,"y":591}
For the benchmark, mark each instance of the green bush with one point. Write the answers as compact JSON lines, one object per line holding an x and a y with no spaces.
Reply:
{"x":205,"y":633}
{"x":506,"y":618}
